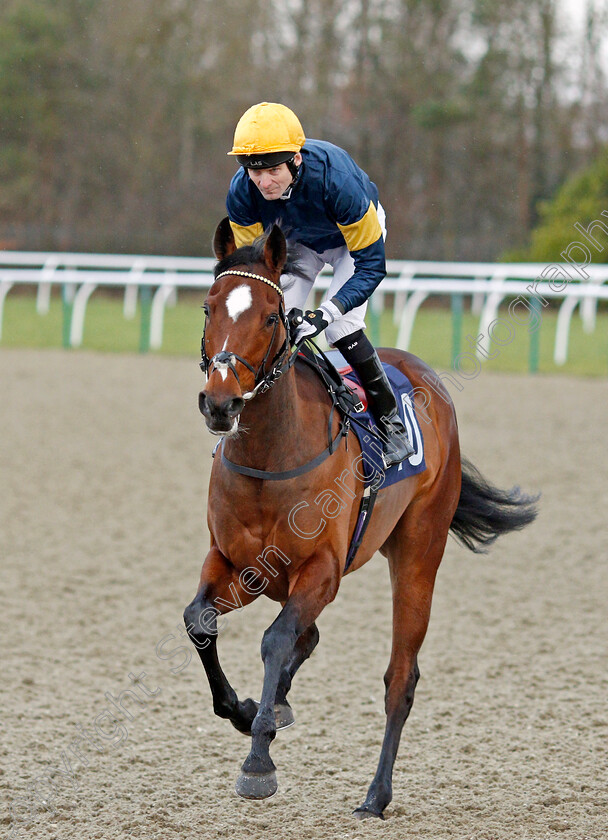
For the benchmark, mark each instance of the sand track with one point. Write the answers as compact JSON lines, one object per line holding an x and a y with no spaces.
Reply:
{"x":104,"y":466}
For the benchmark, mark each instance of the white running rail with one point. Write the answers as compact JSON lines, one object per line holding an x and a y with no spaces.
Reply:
{"x":409,"y":283}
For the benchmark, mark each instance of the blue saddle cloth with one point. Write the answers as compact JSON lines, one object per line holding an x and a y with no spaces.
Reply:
{"x":375,"y":473}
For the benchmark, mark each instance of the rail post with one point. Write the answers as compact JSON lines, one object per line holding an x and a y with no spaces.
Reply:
{"x":146,"y":309}
{"x":374,"y":319}
{"x":67,"y":306}
{"x":456,"y":301}
{"x":534,"y":352}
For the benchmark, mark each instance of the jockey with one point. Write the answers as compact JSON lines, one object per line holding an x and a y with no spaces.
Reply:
{"x":328,"y":206}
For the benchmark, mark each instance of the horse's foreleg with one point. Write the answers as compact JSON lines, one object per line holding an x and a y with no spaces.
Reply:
{"x":412,"y":583}
{"x":219,"y":592}
{"x":316,"y":586}
{"x":303,"y":648}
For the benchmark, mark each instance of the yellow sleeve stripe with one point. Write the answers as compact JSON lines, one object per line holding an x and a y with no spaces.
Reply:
{"x":244,"y":235}
{"x":365,"y":232}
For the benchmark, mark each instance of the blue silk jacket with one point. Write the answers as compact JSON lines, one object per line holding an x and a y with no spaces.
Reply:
{"x":332,"y":204}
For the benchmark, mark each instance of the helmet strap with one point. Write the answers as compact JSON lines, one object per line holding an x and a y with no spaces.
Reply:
{"x":295,"y":174}
{"x":295,"y":170}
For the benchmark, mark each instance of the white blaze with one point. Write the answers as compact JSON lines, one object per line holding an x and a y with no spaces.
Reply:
{"x":223,"y":368}
{"x":238,"y":301}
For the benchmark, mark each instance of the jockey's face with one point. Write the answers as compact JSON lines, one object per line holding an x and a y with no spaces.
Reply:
{"x":273,"y":182}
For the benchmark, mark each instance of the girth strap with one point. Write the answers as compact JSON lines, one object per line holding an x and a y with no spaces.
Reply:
{"x":365,"y":512}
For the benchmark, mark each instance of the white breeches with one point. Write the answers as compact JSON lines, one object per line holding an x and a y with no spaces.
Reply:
{"x":296,"y":289}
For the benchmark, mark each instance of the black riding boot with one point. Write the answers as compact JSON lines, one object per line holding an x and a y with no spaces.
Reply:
{"x":367,"y":365}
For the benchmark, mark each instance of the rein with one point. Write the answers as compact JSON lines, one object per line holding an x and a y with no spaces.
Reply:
{"x":336,"y":389}
{"x":337,"y":395}
{"x":282,"y":362}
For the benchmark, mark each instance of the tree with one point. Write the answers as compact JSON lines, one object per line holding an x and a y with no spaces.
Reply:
{"x":115,"y":117}
{"x":42,"y":82}
{"x":580,"y":201}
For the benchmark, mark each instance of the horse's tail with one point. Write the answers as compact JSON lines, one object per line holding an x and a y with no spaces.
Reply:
{"x":484,"y":512}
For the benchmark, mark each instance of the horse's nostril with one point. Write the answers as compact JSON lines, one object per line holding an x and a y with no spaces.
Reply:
{"x":210,"y":408}
{"x":234,"y":406}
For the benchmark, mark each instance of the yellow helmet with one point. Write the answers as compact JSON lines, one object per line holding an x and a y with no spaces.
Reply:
{"x":266,"y":135}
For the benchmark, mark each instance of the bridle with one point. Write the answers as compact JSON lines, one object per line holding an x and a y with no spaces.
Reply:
{"x":283,"y":360}
{"x":227,"y":359}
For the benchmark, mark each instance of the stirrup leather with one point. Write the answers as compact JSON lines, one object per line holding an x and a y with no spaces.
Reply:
{"x":396,"y":446}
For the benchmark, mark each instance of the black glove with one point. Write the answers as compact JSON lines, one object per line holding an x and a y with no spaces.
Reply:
{"x":312,"y":324}
{"x":295,"y":317}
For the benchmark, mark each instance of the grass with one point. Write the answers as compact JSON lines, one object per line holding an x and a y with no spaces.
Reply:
{"x":107,"y":330}
{"x":432,"y":341}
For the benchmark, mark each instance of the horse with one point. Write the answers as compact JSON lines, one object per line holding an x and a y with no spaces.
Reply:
{"x":274,"y":415}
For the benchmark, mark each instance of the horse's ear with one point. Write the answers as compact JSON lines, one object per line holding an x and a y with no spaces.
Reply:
{"x":275,"y":249}
{"x":223,"y":241}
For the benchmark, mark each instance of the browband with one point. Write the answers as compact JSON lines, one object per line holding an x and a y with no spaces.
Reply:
{"x":255,"y":277}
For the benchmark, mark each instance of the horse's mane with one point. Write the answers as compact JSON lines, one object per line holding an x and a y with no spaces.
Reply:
{"x":254,"y":253}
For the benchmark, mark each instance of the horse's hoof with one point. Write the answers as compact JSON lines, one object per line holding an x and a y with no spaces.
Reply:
{"x":257,"y":785}
{"x":283,"y":715}
{"x":365,"y":814}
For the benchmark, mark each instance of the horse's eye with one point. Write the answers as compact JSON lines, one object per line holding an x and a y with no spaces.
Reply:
{"x":272,"y":319}
{"x":206,"y":309}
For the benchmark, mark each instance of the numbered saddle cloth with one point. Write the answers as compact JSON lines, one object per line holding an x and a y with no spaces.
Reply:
{"x":375,"y":472}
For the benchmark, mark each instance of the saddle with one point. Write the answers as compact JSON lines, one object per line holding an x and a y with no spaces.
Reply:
{"x":333,"y":368}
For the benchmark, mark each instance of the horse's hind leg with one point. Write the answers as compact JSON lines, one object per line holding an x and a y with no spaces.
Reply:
{"x":304,"y":647}
{"x":412,"y":579}
{"x":219,"y":589}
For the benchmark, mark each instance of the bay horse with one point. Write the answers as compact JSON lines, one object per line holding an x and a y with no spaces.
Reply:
{"x":274,"y":417}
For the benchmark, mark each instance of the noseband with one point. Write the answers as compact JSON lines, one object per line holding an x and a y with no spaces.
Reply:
{"x":226,"y":359}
